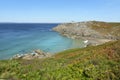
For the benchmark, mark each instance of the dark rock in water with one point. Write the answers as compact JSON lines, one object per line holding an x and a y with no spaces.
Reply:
{"x":18,"y":56}
{"x":39,"y":52}
{"x":36,"y":54}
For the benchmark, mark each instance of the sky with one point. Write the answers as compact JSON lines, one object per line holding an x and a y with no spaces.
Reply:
{"x":55,"y":11}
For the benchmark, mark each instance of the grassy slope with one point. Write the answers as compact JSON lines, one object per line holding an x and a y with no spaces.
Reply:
{"x":106,"y":28}
{"x":92,"y":63}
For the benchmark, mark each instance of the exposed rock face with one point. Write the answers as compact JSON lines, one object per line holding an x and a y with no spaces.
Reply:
{"x":91,"y":30}
{"x":36,"y":54}
{"x":76,"y":30}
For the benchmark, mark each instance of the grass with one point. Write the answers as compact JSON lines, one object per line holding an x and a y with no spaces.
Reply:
{"x":92,"y":63}
{"x":105,"y":28}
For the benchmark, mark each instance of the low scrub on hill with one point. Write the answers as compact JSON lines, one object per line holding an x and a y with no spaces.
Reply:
{"x":91,"y":63}
{"x":106,"y":28}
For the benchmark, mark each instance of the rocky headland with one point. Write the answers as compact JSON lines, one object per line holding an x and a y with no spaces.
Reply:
{"x":95,"y":32}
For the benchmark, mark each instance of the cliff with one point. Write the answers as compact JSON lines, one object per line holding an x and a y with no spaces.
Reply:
{"x":100,"y":32}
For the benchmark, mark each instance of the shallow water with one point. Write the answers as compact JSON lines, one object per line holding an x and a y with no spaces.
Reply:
{"x":23,"y":38}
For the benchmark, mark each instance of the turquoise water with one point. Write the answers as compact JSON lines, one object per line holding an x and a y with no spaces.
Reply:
{"x":23,"y":38}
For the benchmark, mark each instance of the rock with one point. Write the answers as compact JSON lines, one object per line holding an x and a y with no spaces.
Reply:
{"x":18,"y":56}
{"x":77,"y":32}
{"x":96,"y":31}
{"x":36,"y":54}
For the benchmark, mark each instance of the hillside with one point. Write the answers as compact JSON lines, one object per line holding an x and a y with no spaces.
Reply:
{"x":100,"y":62}
{"x":99,"y":32}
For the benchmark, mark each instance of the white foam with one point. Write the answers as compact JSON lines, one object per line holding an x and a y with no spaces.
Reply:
{"x":86,"y":41}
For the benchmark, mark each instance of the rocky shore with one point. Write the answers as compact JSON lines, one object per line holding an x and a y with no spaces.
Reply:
{"x":35,"y":54}
{"x":95,"y":32}
{"x":92,"y":32}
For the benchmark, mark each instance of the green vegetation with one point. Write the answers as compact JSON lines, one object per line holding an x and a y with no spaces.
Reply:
{"x":106,"y":28}
{"x":92,"y":63}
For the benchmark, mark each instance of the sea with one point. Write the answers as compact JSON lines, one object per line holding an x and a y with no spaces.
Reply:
{"x":22,"y":38}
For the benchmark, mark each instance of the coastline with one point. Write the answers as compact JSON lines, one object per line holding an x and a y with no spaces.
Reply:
{"x":79,"y":31}
{"x":94,"y":31}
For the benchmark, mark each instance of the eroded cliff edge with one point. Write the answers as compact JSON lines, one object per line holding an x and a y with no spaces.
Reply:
{"x":95,"y":32}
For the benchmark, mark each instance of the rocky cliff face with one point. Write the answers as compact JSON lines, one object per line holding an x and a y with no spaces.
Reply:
{"x":90,"y":30}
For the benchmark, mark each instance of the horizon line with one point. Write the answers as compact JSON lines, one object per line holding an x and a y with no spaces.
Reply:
{"x":62,"y":22}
